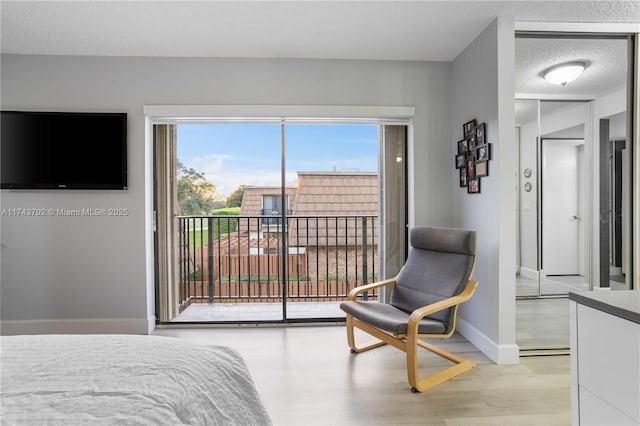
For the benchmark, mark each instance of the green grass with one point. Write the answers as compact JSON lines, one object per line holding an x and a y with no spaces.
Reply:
{"x":199,"y":237}
{"x":220,"y":226}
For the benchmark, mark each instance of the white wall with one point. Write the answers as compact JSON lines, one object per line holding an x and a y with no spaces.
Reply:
{"x":89,"y":274}
{"x":483,"y":89}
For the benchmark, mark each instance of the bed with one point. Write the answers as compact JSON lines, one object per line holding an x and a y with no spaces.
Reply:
{"x":124,"y":379}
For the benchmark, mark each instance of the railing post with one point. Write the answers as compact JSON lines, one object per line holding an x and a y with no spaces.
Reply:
{"x":210,"y":256}
{"x":364,"y":256}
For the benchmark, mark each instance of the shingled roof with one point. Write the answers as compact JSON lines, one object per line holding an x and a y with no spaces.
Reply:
{"x":334,"y":194}
{"x":347,"y":195}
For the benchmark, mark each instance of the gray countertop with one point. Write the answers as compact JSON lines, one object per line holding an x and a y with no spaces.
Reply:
{"x":621,"y":303}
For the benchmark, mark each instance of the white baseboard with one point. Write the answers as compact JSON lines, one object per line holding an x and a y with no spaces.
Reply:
{"x":500,"y":354}
{"x":151,"y":323}
{"x":76,"y":326}
{"x":529,"y":273}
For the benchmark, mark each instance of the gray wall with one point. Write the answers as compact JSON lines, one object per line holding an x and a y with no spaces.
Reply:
{"x":90,"y":274}
{"x":482,"y":89}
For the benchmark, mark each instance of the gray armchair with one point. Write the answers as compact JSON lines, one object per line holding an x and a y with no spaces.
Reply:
{"x":425,"y":296}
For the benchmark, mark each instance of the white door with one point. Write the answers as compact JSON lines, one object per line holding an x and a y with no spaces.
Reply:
{"x":561,"y":197}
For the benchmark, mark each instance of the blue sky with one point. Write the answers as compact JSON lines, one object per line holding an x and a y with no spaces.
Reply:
{"x":234,"y":154}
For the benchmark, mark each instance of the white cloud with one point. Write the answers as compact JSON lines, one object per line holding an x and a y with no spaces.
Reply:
{"x":225,"y":174}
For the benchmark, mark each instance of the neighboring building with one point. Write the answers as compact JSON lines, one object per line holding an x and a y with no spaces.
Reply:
{"x":264,"y":201}
{"x":332,"y":216}
{"x":326,"y":194}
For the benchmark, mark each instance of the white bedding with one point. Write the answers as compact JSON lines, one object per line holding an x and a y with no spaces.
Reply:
{"x":124,"y":379}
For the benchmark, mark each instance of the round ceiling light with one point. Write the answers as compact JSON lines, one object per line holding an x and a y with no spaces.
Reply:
{"x":564,"y":73}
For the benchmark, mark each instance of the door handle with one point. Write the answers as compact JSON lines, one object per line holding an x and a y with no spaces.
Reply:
{"x":575,"y":217}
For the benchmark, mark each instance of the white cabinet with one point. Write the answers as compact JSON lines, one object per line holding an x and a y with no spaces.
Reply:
{"x":605,"y":358}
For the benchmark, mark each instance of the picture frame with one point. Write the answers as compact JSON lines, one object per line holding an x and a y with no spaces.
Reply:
{"x":473,"y":186}
{"x":482,"y":169}
{"x":462,"y":147}
{"x":463,"y":177}
{"x":469,"y":128}
{"x":481,"y":134}
{"x":473,"y":156}
{"x":471,"y":169}
{"x":483,"y":153}
{"x":471,"y":145}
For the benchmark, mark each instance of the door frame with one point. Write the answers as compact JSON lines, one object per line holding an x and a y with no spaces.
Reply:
{"x":159,"y":114}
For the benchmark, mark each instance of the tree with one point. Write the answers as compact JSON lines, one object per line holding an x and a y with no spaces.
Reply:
{"x":196,"y":195}
{"x":224,"y":225}
{"x":235,"y":198}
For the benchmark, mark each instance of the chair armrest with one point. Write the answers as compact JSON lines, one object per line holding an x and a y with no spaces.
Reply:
{"x":357,"y":290}
{"x":418,"y":314}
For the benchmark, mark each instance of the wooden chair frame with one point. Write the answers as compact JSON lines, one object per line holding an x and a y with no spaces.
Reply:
{"x":410,"y":341}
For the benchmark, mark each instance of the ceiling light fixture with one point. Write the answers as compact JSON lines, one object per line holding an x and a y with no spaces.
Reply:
{"x":564,"y":73}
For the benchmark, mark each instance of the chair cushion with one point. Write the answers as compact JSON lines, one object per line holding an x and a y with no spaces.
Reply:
{"x":443,"y":239}
{"x":439,"y":265}
{"x":389,"y":318}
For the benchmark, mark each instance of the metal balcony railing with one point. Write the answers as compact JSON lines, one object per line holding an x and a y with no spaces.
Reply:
{"x":248,"y":259}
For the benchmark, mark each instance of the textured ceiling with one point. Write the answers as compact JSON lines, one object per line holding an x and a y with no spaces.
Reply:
{"x":606,"y":65}
{"x":394,"y":30}
{"x":422,"y":30}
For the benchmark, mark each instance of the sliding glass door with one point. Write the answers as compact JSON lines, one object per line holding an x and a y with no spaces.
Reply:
{"x":276,"y":221}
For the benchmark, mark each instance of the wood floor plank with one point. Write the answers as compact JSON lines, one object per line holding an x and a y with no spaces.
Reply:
{"x":306,"y":376}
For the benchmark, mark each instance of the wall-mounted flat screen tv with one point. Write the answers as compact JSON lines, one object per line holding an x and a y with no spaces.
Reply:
{"x":63,"y":150}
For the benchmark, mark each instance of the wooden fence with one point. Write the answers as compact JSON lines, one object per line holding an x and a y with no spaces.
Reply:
{"x":245,"y":266}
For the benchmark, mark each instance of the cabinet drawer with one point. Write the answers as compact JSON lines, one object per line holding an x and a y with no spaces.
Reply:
{"x":609,"y":360}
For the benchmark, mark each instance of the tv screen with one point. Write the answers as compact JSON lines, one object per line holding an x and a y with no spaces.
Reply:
{"x":63,"y":150}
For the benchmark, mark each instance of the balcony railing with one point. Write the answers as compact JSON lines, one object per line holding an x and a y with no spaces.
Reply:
{"x":248,"y":259}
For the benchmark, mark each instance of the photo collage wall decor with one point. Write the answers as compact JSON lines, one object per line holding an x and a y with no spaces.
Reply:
{"x":472,"y":159}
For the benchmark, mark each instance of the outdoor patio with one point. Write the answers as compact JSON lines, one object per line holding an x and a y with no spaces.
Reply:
{"x":256,"y":312}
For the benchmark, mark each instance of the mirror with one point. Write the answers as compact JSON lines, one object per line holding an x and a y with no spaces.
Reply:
{"x":574,"y":180}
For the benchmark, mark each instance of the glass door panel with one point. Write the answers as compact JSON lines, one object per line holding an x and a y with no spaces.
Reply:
{"x":228,"y":174}
{"x":332,"y":232}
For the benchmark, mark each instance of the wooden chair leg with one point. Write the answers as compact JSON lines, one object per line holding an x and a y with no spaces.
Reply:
{"x":351,"y":338}
{"x":409,"y":345}
{"x":420,"y":385}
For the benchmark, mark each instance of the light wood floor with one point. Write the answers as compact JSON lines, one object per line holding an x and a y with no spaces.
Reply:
{"x":542,"y":323}
{"x":306,"y":376}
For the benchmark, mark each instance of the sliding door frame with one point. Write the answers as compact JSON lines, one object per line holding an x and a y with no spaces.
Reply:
{"x":603,"y":31}
{"x":158,"y":114}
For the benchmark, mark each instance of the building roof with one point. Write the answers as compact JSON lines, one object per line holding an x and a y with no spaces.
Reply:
{"x":235,"y":243}
{"x":342,"y":200}
{"x":334,"y":195}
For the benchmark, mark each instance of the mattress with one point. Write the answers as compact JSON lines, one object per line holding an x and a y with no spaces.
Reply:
{"x":124,"y":379}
